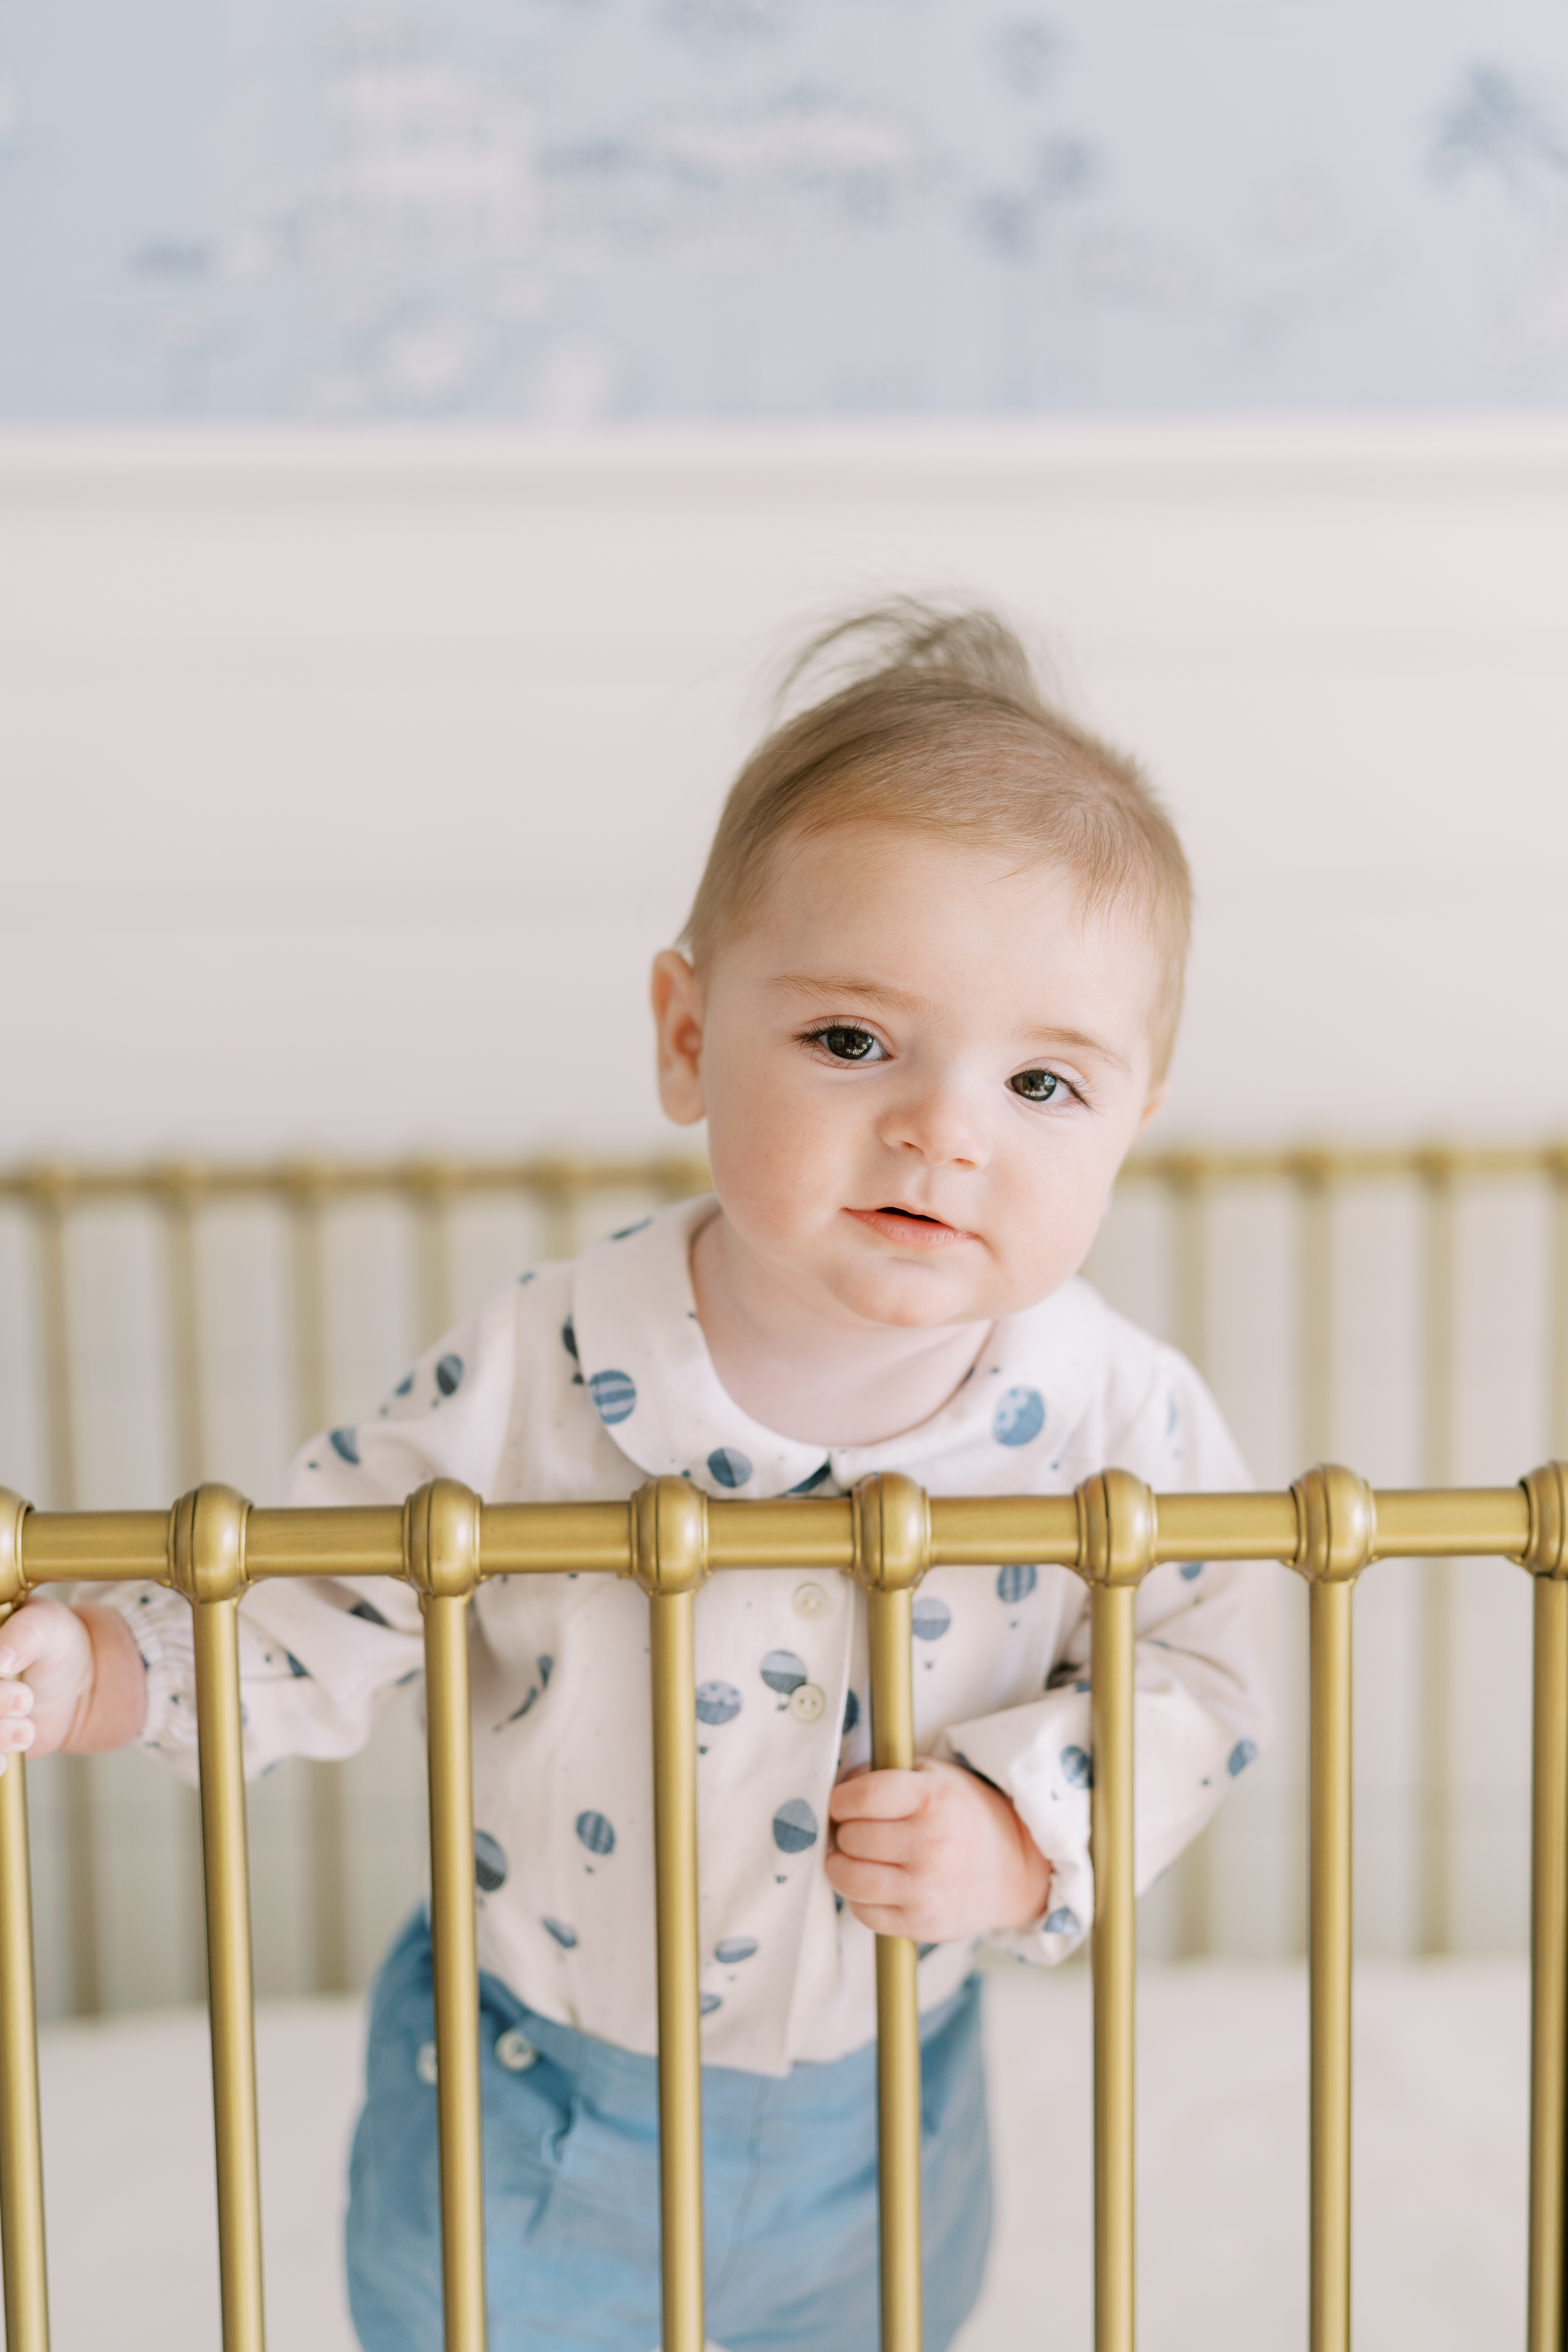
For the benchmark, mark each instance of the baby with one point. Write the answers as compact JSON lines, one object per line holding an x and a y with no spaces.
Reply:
{"x":928,"y":996}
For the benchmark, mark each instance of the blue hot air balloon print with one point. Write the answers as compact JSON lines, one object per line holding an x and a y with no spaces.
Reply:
{"x":929,"y":1617}
{"x":817,"y":1478}
{"x":784,"y":1672}
{"x":1241,"y":1757}
{"x":707,"y":2003}
{"x":1077,"y":1768}
{"x":1020,"y":1415}
{"x":794,"y":1826}
{"x":403,"y":1385}
{"x":727,"y":1466}
{"x":564,"y":1935}
{"x":569,"y":1339}
{"x":851,"y":1713}
{"x":596,"y":1833}
{"x":368,"y":1613}
{"x":627,"y":1231}
{"x":733,"y":1949}
{"x":1061,"y":1922}
{"x":346,"y":1445}
{"x":615,"y":1396}
{"x":717,"y":1703}
{"x":489,"y":1861}
{"x":1192,"y":1570}
{"x":449,"y":1375}
{"x":1015,"y":1583}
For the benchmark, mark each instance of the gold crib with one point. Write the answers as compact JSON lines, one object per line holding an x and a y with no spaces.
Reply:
{"x":1329,"y":1527}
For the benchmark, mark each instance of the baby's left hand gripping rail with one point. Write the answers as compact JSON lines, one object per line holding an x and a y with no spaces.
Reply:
{"x":671,"y":1539}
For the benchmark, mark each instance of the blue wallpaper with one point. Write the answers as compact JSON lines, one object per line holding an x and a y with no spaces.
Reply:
{"x":573,"y":209}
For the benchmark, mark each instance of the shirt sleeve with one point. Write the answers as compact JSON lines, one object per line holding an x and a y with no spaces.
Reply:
{"x":1201,"y":1713}
{"x":319,"y":1657}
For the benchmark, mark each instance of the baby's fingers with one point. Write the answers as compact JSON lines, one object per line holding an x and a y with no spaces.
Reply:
{"x":866,"y":1882}
{"x":878,"y":1797}
{"x":16,"y":1730}
{"x":31,"y":1632}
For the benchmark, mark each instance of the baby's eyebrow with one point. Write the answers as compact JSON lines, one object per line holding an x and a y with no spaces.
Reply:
{"x":1085,"y":1044}
{"x":872,"y":992}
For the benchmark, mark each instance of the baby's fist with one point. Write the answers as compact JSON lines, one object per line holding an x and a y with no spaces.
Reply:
{"x":85,"y":1686}
{"x":50,"y":1645}
{"x":937,"y":1854}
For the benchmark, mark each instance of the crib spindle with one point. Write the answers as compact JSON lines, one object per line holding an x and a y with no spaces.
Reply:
{"x":27,"y":2292}
{"x":1337,"y":1523}
{"x":441,"y":1559}
{"x":1118,"y":1521}
{"x":21,"y":2142}
{"x":1439,"y":1357}
{"x":668,"y":1535}
{"x":1548,"y":1557}
{"x":892,"y":1551}
{"x":207,"y":1564}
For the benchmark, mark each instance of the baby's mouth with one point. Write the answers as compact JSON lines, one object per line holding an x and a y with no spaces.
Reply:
{"x":911,"y":1227}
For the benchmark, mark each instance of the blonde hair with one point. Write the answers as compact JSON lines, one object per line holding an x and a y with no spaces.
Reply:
{"x":939,"y":723}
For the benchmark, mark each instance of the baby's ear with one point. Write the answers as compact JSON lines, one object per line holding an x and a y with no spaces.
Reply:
{"x":677,"y":1000}
{"x":1155,"y":1104}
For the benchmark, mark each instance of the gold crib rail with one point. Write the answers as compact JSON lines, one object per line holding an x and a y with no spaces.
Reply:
{"x":1329,"y":1527}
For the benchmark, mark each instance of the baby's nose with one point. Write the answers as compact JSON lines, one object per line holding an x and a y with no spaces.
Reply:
{"x":944,"y":1126}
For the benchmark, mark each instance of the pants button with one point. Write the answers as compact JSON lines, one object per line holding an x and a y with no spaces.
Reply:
{"x":806,"y":1703}
{"x":516,"y":2052}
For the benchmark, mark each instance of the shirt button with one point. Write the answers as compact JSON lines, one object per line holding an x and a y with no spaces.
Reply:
{"x":516,"y":2052}
{"x":806,"y":1703}
{"x":810,"y":1601}
{"x":425,"y":2062}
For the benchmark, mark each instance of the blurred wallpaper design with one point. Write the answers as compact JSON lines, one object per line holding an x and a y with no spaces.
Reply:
{"x":573,"y":210}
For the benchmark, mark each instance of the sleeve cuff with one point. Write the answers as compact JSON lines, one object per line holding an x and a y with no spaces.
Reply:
{"x":160,"y":1623}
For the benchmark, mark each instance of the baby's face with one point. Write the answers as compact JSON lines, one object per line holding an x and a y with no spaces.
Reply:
{"x":920,"y":1068}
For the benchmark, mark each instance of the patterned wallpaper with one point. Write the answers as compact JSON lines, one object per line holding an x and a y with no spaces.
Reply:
{"x":575,"y":209}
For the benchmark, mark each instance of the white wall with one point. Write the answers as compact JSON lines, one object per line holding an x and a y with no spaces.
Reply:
{"x":349,"y":783}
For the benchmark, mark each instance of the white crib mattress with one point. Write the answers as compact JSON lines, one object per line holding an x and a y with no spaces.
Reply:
{"x":1440,"y":2157}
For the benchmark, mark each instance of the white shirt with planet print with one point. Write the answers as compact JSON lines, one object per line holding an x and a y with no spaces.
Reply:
{"x":577,"y":1382}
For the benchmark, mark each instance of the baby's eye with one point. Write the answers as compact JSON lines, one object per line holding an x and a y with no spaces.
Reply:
{"x":1038,"y":1086}
{"x":846,"y":1044}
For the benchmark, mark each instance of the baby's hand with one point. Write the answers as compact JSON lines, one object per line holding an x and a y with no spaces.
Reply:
{"x":936,"y":1853}
{"x":84,"y":1687}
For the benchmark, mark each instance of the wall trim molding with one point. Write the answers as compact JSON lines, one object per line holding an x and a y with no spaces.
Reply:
{"x":1509,"y":455}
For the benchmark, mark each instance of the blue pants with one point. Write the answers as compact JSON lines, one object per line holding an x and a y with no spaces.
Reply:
{"x":572,"y":2186}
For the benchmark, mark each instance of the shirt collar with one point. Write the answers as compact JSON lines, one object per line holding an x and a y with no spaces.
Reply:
{"x":652,"y":1381}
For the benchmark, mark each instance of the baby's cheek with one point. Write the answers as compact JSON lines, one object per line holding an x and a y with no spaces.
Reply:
{"x":1053,"y":1232}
